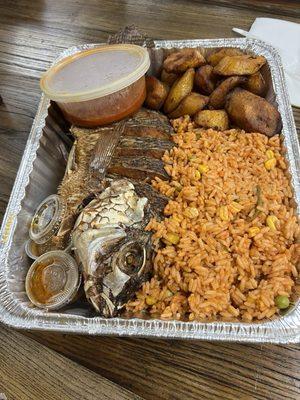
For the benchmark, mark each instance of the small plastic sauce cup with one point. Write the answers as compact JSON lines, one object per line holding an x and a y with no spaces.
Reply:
{"x":53,"y":280}
{"x":46,"y":220}
{"x":35,"y":250}
{"x":99,"y":86}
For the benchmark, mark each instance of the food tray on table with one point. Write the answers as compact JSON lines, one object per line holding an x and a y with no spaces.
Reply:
{"x":41,"y":170}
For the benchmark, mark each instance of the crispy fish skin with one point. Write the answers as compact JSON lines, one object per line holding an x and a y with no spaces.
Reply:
{"x":140,"y":168}
{"x":214,"y":119}
{"x":145,"y":123}
{"x":157,"y":202}
{"x":182,"y":60}
{"x":157,"y":93}
{"x":215,"y":57}
{"x":252,"y":113}
{"x":205,"y":80}
{"x":239,"y":65}
{"x":181,"y":88}
{"x":218,"y":97}
{"x":147,"y":147}
{"x":192,"y":103}
{"x":256,"y":84}
{"x":149,"y":123}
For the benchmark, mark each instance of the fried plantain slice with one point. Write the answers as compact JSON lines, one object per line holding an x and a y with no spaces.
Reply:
{"x":183,"y":59}
{"x":214,"y":58}
{"x":239,"y":65}
{"x":252,"y":113}
{"x":205,"y":79}
{"x":157,"y":93}
{"x":218,"y":97}
{"x":181,"y":88}
{"x":256,"y":84}
{"x":192,"y":103}
{"x":215,"y":119}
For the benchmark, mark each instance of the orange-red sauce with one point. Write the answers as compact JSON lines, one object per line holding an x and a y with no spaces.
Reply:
{"x":125,"y":108}
{"x":44,"y":285}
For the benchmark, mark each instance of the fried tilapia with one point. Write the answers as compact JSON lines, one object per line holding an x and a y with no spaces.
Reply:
{"x":107,"y":188}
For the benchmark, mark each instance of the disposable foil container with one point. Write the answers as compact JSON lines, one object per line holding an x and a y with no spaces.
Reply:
{"x":41,"y":171}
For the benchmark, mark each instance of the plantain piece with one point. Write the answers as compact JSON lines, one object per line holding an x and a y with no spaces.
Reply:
{"x":215,"y":119}
{"x":205,"y":79}
{"x":183,"y":59}
{"x":168,"y":77}
{"x":214,"y":58}
{"x":218,"y":97}
{"x":239,"y":65}
{"x":192,"y":103}
{"x":157,"y":93}
{"x":181,"y":88}
{"x":256,"y":84}
{"x":252,"y":113}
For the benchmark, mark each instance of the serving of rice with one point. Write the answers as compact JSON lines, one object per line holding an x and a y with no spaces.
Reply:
{"x":228,"y":243}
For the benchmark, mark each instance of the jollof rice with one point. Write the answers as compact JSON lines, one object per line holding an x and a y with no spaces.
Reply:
{"x":230,"y":230}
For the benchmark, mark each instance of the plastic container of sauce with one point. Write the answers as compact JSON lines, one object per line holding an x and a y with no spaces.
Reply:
{"x":99,"y":86}
{"x":46,"y":220}
{"x":35,"y":250}
{"x":53,"y":280}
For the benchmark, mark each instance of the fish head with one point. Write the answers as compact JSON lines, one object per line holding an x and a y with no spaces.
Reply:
{"x":126,"y":268}
{"x":112,"y":247}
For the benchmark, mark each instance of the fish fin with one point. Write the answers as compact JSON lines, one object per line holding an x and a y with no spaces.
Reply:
{"x":104,"y":149}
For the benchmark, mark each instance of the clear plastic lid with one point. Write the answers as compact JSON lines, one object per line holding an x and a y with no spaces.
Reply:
{"x":95,"y":73}
{"x":31,"y":249}
{"x":46,"y":219}
{"x":52,"y":280}
{"x":35,"y":250}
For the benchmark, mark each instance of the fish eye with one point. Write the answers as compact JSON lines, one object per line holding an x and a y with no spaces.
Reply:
{"x":132,"y":258}
{"x":129,"y":259}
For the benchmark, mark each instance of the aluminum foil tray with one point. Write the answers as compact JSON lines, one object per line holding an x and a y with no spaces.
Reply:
{"x":40,"y":172}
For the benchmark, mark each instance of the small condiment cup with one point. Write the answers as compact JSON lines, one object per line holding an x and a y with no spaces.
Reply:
{"x":53,"y":280}
{"x":46,"y":220}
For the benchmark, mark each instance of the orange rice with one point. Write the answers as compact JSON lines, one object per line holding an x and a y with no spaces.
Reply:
{"x":228,"y":243}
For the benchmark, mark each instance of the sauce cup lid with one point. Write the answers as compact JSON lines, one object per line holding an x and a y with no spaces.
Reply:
{"x":30,"y":249}
{"x":46,"y":219}
{"x":95,"y":73}
{"x":35,"y":250}
{"x":52,"y":280}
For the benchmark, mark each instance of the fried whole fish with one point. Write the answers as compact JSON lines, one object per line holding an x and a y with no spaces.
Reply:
{"x":108,"y":191}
